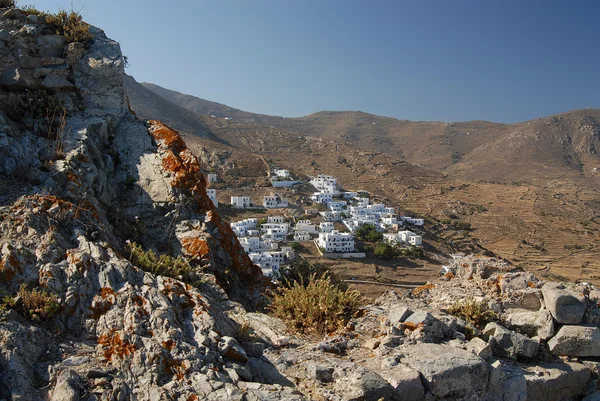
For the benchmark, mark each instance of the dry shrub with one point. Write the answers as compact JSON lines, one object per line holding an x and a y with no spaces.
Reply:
{"x":474,"y":312}
{"x":70,"y":25}
{"x":36,"y":303}
{"x":162,"y":265}
{"x":318,"y":307}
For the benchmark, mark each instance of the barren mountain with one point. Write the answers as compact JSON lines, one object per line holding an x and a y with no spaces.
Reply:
{"x":538,"y":151}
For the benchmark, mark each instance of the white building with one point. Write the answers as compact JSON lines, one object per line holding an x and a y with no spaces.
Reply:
{"x":288,"y":252}
{"x":337,"y":206}
{"x":392,"y":238}
{"x":361,"y":202}
{"x":276,"y":219}
{"x":243,"y":227}
{"x":212,"y":194}
{"x":336,"y":242}
{"x":306,"y":225}
{"x":414,"y":222}
{"x":211,"y":177}
{"x":274,"y":202}
{"x":350,"y":195}
{"x":301,"y":236}
{"x":321,"y":197}
{"x":410,"y":238}
{"x":241,"y":202}
{"x":330,"y":215}
{"x":325,"y":183}
{"x":376,"y":208}
{"x":282,"y":173}
{"x":388,"y":219}
{"x":250,"y":244}
{"x":326,"y":227}
{"x":311,"y":212}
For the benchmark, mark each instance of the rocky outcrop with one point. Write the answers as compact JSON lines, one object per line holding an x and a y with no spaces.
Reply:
{"x":97,"y":177}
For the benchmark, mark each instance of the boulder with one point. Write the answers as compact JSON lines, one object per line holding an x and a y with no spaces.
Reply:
{"x":528,"y":299}
{"x":399,"y":314}
{"x":446,"y":371}
{"x":506,"y":382}
{"x":57,"y":82}
{"x":506,"y":343}
{"x":67,"y":387}
{"x":434,"y":328}
{"x":406,"y":382}
{"x":556,"y":381}
{"x":361,"y":384}
{"x":533,"y":324}
{"x":253,"y":349}
{"x":51,"y":45}
{"x":17,"y":78}
{"x":576,"y":341}
{"x":231,"y":349}
{"x":566,"y":306}
{"x":479,"y":348}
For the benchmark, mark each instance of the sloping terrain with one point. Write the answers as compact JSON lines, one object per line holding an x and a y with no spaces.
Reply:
{"x":538,"y":151}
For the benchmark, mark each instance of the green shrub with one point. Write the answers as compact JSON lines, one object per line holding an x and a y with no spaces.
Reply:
{"x":384,"y":250}
{"x":70,"y":25}
{"x":474,"y":312}
{"x":369,"y":233}
{"x":162,"y":265}
{"x":317,"y":307}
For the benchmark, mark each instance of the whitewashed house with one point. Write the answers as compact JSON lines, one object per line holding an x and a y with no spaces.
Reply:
{"x":276,"y":219}
{"x":211,"y":177}
{"x":388,"y":220}
{"x":321,"y":197}
{"x":336,"y":242}
{"x":306,"y":225}
{"x":241,"y":202}
{"x":337,"y":206}
{"x":376,"y":208}
{"x":302,"y":236}
{"x":325,"y":183}
{"x":212,"y":195}
{"x":361,"y":202}
{"x":326,"y":227}
{"x":410,"y":238}
{"x":242,"y":228}
{"x":282,"y":173}
{"x":330,"y":215}
{"x":412,"y":221}
{"x":391,"y":238}
{"x":288,"y":253}
{"x":350,"y":195}
{"x":311,"y":212}
{"x":250,"y":244}
{"x":274,"y":202}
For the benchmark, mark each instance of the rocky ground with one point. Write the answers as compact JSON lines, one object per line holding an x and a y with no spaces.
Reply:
{"x":77,"y":185}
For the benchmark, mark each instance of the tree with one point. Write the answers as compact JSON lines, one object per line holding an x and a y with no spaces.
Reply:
{"x":384,"y":250}
{"x":369,"y":233}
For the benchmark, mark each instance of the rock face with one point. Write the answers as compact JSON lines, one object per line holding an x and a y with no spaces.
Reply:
{"x":576,"y":341}
{"x":95,"y":177}
{"x":446,"y":371}
{"x":566,"y":306}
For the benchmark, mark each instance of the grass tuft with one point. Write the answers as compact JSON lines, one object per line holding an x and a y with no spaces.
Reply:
{"x":474,"y":312}
{"x":70,"y":25}
{"x":163,"y":265}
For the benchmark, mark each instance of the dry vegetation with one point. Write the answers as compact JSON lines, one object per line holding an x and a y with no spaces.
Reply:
{"x":35,"y":304}
{"x":162,"y":265}
{"x":316,"y":307}
{"x":474,"y":312}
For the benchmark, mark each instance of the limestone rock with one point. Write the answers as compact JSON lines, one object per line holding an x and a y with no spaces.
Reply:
{"x":556,"y":381}
{"x":364,"y":385}
{"x":231,"y":349}
{"x":399,"y":314}
{"x":67,"y":387}
{"x":406,"y":382}
{"x":51,"y":45}
{"x":54,"y":81}
{"x":507,"y":343}
{"x":566,"y":306}
{"x":17,"y":78}
{"x":479,"y":348}
{"x":446,"y":371}
{"x":576,"y":341}
{"x":533,"y":324}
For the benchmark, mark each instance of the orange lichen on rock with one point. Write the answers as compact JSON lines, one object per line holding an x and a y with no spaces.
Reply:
{"x":410,"y":326}
{"x":9,"y":267}
{"x":426,"y":287}
{"x":113,"y":345}
{"x":105,"y":292}
{"x":195,"y":247}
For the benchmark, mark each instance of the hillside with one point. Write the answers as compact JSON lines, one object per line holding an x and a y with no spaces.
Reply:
{"x":537,"y":151}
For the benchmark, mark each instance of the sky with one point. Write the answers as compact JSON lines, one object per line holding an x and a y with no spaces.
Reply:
{"x":442,"y":60}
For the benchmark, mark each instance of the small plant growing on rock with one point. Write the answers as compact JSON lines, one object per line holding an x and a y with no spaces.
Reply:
{"x":317,"y":307}
{"x":162,"y":265}
{"x":35,"y":304}
{"x":70,"y":25}
{"x":474,"y":312}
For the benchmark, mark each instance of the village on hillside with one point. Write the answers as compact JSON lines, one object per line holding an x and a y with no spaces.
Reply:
{"x":331,"y":222}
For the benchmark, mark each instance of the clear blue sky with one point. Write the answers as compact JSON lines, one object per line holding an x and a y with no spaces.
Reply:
{"x":446,"y":60}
